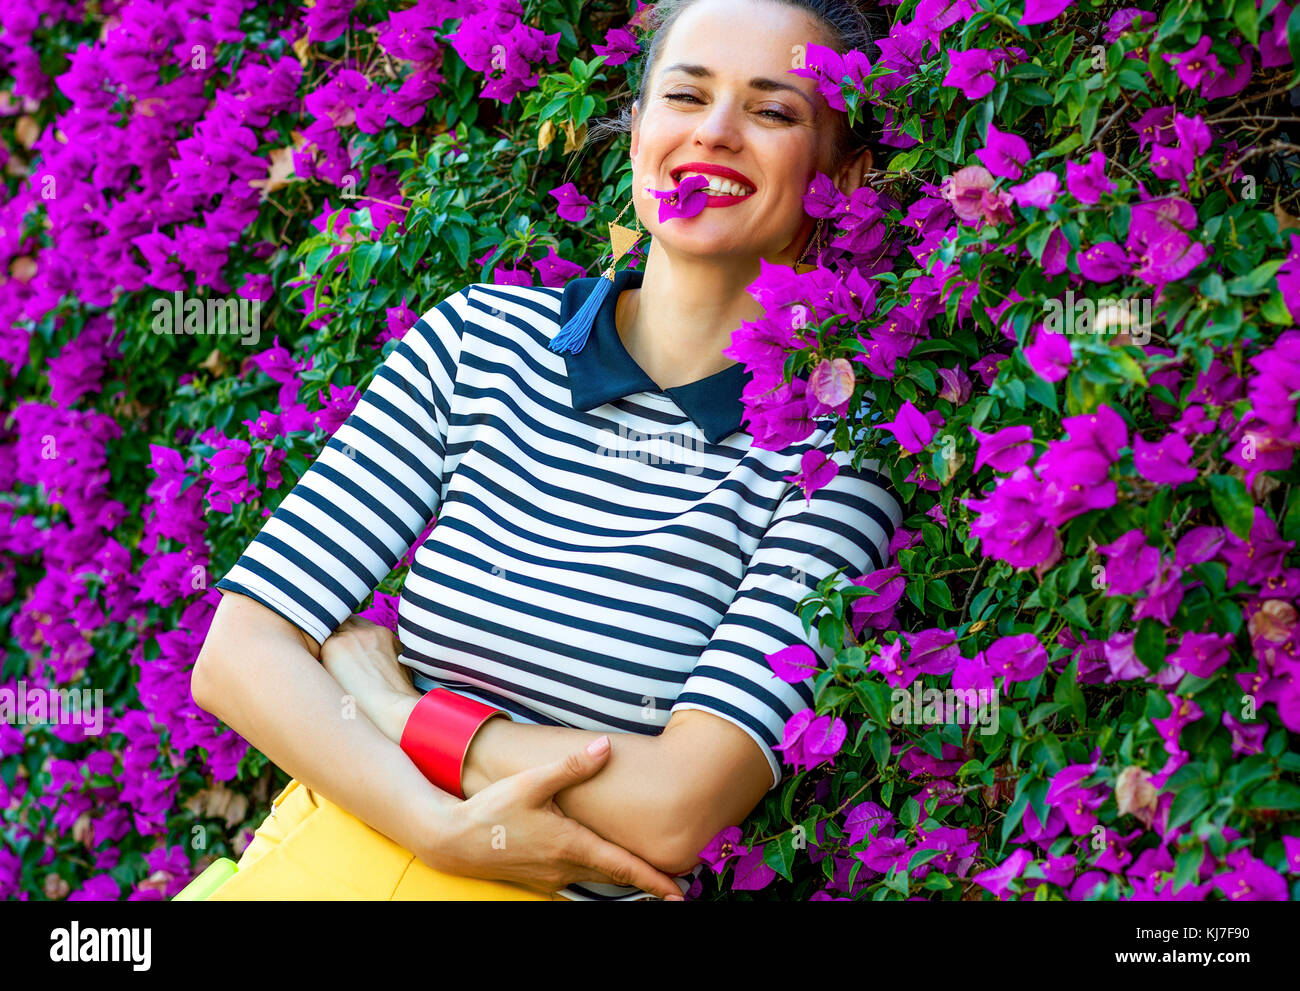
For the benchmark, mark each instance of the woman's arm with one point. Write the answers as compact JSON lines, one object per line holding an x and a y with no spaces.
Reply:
{"x":662,"y":797}
{"x":260,"y":675}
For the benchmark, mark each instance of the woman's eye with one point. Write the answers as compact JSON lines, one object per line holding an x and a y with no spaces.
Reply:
{"x":687,"y":96}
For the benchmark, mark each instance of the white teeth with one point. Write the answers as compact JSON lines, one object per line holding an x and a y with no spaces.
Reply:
{"x":724,"y":187}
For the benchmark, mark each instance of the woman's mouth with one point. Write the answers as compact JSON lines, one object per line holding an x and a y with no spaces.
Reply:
{"x":719,"y":188}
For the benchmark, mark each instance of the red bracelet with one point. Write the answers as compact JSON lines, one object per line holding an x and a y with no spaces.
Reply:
{"x":438,"y":733}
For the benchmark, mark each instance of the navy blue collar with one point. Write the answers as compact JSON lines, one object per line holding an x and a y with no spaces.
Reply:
{"x":603,"y":370}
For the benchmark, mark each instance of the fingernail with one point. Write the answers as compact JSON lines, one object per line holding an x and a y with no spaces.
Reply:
{"x":598,"y":746}
{"x":674,"y":898}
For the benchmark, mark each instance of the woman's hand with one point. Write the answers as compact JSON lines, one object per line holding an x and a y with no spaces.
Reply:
{"x":363,"y":658}
{"x":512,"y":830}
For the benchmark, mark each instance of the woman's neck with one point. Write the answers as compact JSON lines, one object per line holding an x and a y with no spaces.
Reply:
{"x":695,"y":309}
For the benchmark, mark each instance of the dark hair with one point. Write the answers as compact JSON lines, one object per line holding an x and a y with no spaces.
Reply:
{"x":847,"y":23}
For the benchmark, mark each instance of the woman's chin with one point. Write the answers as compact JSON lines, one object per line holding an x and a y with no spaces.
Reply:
{"x":704,"y":243}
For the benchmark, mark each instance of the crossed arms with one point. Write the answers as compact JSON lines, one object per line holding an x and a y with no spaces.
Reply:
{"x":658,"y":798}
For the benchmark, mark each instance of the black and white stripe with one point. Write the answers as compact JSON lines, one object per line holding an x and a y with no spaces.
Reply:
{"x":571,"y":587}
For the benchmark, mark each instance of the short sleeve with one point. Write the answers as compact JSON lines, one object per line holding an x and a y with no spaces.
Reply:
{"x":372,"y":491}
{"x":847,"y":524}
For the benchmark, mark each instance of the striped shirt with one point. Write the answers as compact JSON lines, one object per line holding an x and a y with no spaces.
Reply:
{"x":605,"y":553}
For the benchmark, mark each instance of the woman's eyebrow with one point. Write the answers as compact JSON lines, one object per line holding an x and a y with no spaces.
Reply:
{"x":758,"y":82}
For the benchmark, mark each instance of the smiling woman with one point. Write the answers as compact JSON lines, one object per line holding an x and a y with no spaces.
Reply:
{"x":718,"y":96}
{"x":582,"y":592}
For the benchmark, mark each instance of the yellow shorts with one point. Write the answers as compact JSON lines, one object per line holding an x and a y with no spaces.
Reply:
{"x":309,"y":849}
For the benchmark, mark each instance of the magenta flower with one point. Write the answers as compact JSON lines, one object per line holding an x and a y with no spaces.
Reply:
{"x":751,"y":871}
{"x":1042,"y":11}
{"x":1193,"y":64}
{"x":1006,"y":449}
{"x":956,"y":385}
{"x":1105,"y":261}
{"x":1010,"y":526}
{"x":1177,"y":161}
{"x":1250,"y":880}
{"x":1288,"y":279}
{"x":1019,"y":658}
{"x":1088,"y":182}
{"x":572,"y":204}
{"x":1159,"y":235}
{"x":1131,"y":563}
{"x":971,"y":71}
{"x":791,"y":744}
{"x":722,"y":849}
{"x":932,"y":651}
{"x":1154,"y":127}
{"x":1039,"y":192}
{"x":1247,"y":738}
{"x":823,"y":739}
{"x":684,"y":200}
{"x":973,"y":673}
{"x":827,"y":67}
{"x":794,"y":663}
{"x":1291,"y":848}
{"x":1076,"y":803}
{"x":620,"y":45}
{"x":877,"y":610}
{"x":1004,"y":154}
{"x":815,"y":472}
{"x":867,"y":819}
{"x":1050,"y":355}
{"x":998,"y":880}
{"x":1164,"y":461}
{"x":911,"y":427}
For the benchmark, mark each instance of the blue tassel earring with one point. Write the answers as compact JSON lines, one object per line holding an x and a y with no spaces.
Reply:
{"x":573,"y":335}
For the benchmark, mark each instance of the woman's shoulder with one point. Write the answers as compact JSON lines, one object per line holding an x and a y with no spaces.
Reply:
{"x":502,"y":312}
{"x":519,"y":302}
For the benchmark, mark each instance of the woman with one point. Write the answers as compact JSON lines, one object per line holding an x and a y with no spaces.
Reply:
{"x":594,"y":593}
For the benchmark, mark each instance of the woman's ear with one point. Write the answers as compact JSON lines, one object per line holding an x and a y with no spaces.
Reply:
{"x":854,"y":172}
{"x":635,"y":129}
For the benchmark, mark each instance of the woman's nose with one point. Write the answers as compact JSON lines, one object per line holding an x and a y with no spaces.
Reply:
{"x":721,"y":124}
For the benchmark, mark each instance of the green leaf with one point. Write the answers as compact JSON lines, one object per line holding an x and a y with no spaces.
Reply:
{"x":922,"y":857}
{"x":779,"y":854}
{"x":1246,"y":18}
{"x":1187,"y":804}
{"x":1279,"y":795}
{"x":1187,"y":866}
{"x":1233,"y":503}
{"x":1150,"y":645}
{"x":1014,"y":815}
{"x":1291,"y":519}
{"x":879,"y":744}
{"x":937,"y":592}
{"x":1293,"y":34}
{"x":788,"y":793}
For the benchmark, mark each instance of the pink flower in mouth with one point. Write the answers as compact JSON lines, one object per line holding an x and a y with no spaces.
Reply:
{"x":684,"y":200}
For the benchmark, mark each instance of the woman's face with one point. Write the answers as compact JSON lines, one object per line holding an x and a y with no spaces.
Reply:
{"x":777,"y":135}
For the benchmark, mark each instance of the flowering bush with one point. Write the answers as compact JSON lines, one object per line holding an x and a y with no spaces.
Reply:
{"x":1059,"y":311}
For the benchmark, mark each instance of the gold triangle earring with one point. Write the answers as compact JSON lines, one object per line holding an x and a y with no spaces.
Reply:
{"x":802,"y":267}
{"x":622,"y":239}
{"x":573,"y":335}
